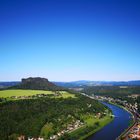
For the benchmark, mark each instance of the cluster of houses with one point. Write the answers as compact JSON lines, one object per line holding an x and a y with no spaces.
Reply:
{"x":70,"y":128}
{"x":36,"y":138}
{"x":36,"y":96}
{"x":134,"y":96}
{"x":134,"y":133}
{"x":133,"y":107}
{"x":22,"y":137}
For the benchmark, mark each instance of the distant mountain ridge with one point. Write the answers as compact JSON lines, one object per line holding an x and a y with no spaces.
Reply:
{"x":81,"y":83}
{"x":8,"y":84}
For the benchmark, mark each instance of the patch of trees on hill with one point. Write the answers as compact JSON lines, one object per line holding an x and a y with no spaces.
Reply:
{"x":112,"y":90}
{"x":28,"y":117}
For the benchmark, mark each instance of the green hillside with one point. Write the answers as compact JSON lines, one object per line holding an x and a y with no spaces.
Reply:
{"x":46,"y":116}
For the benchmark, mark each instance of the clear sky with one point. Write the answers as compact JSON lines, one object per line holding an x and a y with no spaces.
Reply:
{"x":67,"y":40}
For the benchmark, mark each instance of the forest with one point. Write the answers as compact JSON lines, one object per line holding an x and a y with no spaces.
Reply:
{"x":112,"y":90}
{"x":44,"y":116}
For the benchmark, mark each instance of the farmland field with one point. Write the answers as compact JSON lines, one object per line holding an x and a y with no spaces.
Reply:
{"x":10,"y":93}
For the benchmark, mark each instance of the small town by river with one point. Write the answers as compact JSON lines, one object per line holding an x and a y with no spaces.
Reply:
{"x":116,"y":127}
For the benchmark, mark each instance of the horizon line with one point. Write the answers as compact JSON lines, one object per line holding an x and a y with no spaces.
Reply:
{"x":75,"y":80}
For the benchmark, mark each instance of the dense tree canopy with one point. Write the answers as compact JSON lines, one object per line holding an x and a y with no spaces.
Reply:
{"x":112,"y":90}
{"x":31,"y":117}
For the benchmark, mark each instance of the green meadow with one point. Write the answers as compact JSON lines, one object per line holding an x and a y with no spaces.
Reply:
{"x":10,"y":93}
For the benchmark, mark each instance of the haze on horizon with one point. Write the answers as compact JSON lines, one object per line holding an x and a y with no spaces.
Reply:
{"x":70,"y":40}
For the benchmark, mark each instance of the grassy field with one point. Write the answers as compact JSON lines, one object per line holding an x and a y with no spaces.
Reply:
{"x":10,"y":93}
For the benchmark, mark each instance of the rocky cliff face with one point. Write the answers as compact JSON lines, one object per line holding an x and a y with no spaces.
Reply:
{"x":38,"y":83}
{"x":34,"y":80}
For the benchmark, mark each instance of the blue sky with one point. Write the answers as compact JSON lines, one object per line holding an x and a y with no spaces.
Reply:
{"x":67,"y":40}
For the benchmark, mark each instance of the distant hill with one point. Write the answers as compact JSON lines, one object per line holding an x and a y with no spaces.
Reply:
{"x":37,"y":83}
{"x":97,"y":83}
{"x":8,"y":84}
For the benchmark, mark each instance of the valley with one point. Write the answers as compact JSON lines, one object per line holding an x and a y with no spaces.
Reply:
{"x":49,"y":114}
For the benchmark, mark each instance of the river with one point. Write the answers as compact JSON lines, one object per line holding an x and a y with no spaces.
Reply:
{"x":116,"y":127}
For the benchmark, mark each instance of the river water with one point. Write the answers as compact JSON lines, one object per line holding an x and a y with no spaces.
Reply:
{"x":116,"y":127}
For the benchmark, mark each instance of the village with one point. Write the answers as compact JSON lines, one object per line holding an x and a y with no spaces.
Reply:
{"x":132,"y":107}
{"x":133,"y":133}
{"x":70,"y":128}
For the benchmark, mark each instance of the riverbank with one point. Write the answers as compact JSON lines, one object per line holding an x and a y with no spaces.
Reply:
{"x":119,"y":124}
{"x":92,"y":123}
{"x":121,"y":107}
{"x":92,"y":126}
{"x":132,"y":122}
